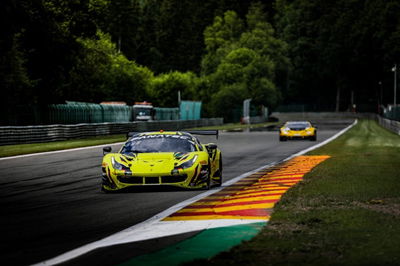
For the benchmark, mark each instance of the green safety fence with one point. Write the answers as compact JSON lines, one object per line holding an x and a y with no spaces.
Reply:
{"x":80,"y":112}
{"x":166,"y":113}
{"x":392,"y":113}
{"x":190,"y":110}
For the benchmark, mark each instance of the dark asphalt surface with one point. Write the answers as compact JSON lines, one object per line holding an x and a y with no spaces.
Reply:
{"x":52,"y":203}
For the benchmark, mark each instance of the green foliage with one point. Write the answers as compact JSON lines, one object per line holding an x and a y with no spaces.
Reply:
{"x":13,"y":72}
{"x":104,"y":74}
{"x":164,"y":88}
{"x":223,"y":31}
{"x":227,"y":99}
{"x":247,"y":57}
{"x":339,"y":47}
{"x":52,"y":50}
{"x":14,"y":80}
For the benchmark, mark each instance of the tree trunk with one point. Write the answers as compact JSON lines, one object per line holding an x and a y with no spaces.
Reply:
{"x":337,"y":98}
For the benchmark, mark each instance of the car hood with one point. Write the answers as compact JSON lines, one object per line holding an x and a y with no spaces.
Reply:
{"x":146,"y":163}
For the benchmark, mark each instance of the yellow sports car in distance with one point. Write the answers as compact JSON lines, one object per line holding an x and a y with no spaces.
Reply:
{"x":297,"y":130}
{"x":172,"y":158}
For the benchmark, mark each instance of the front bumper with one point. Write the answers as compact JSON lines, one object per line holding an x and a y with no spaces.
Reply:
{"x":188,"y":178}
{"x":297,"y":134}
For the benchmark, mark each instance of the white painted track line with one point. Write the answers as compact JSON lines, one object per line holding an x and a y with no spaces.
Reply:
{"x":155,"y":228}
{"x":59,"y":151}
{"x":323,"y":142}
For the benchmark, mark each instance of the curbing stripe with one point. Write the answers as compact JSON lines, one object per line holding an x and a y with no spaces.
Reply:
{"x":254,"y":205}
{"x":210,"y":242}
{"x":152,"y":227}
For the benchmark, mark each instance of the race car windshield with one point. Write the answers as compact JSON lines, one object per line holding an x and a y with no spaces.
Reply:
{"x":158,"y":143}
{"x":298,"y":124}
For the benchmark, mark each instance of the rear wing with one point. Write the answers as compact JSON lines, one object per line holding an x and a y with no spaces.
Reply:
{"x":194,"y":132}
{"x":204,"y":132}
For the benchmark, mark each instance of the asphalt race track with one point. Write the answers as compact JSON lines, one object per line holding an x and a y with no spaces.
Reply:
{"x":52,"y":203}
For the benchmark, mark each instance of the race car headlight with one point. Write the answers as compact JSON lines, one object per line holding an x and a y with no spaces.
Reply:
{"x":285,"y":129}
{"x":116,"y":165}
{"x":189,"y":163}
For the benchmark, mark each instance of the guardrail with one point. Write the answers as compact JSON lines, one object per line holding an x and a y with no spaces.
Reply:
{"x":320,"y":116}
{"x":47,"y":133}
{"x":391,"y":125}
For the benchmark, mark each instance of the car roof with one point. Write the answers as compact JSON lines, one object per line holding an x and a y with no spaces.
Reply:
{"x":162,"y":132}
{"x":293,"y":122}
{"x":181,"y":134}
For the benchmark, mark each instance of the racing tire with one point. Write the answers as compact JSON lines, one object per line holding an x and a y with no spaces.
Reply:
{"x":314,"y":138}
{"x":105,"y":190}
{"x":208,"y":181}
{"x":282,"y":138}
{"x":219,"y":183}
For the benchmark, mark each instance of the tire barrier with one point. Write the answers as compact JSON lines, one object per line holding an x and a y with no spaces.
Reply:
{"x":34,"y":134}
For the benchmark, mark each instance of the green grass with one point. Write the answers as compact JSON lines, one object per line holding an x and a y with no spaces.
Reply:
{"x":345,"y":212}
{"x":11,"y":150}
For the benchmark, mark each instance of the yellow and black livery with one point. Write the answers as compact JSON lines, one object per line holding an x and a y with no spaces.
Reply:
{"x":298,"y":130}
{"x":171,"y":158}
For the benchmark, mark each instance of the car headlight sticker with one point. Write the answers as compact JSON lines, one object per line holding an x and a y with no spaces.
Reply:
{"x":116,"y":165}
{"x":189,"y":163}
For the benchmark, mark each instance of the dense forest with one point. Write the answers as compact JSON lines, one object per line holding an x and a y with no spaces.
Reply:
{"x":323,"y":54}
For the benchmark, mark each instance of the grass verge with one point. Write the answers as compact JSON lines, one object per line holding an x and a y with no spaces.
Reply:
{"x":345,"y":212}
{"x":11,"y":150}
{"x":236,"y":126}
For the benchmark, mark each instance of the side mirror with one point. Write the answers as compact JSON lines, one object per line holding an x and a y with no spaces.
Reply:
{"x":106,"y":150}
{"x":212,"y":146}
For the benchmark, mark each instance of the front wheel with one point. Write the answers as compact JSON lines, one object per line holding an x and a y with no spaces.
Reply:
{"x":208,"y":180}
{"x":314,"y":138}
{"x":219,"y":182}
{"x":208,"y":183}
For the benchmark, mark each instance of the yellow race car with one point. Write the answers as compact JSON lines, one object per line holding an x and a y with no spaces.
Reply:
{"x":297,"y":130}
{"x":172,"y":158}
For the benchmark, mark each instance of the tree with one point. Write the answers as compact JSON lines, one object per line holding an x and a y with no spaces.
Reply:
{"x":243,"y":56}
{"x":339,"y":48}
{"x":103,"y":73}
{"x":38,"y":39}
{"x":164,"y":88}
{"x":220,"y":39}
